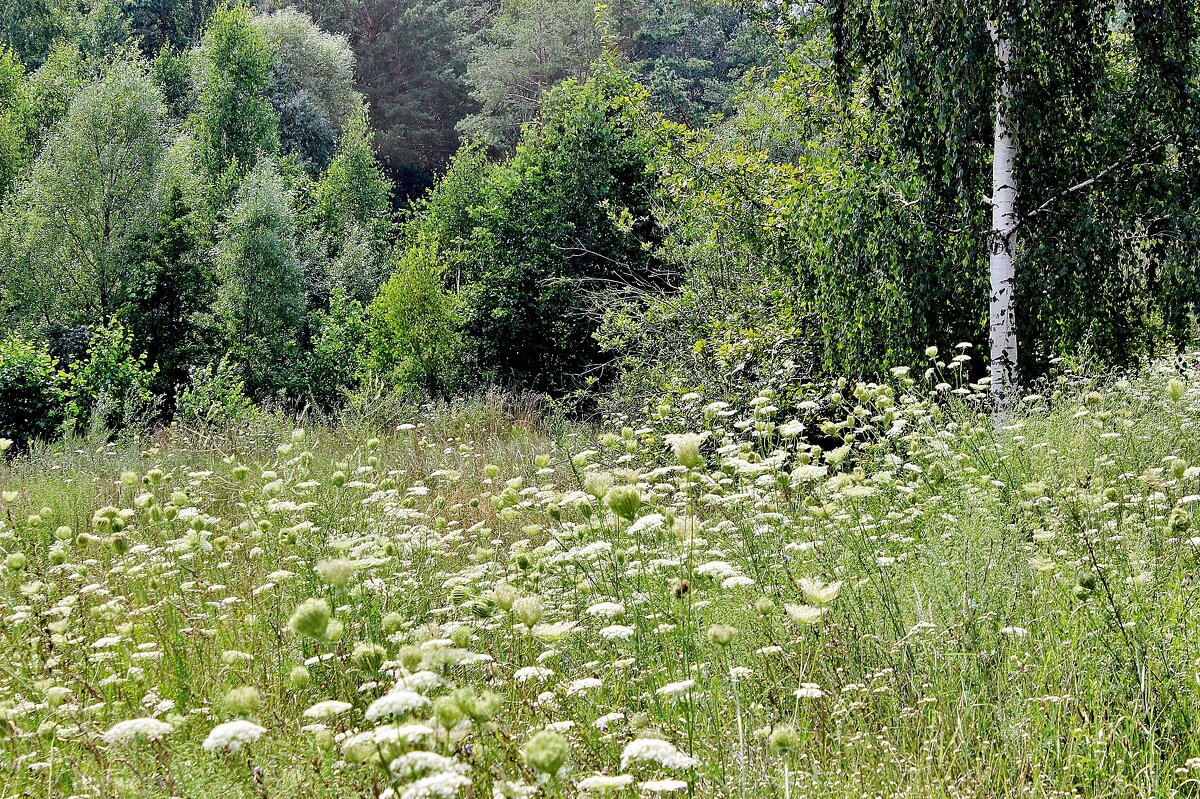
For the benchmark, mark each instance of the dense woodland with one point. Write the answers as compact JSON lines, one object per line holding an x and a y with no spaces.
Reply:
{"x":316,"y":206}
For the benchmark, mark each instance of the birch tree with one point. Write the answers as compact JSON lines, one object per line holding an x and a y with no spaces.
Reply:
{"x":1013,"y":85}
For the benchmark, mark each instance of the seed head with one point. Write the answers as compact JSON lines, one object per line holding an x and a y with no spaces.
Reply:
{"x":311,"y":618}
{"x":547,"y":752}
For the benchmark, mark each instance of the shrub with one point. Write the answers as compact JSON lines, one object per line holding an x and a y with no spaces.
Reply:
{"x":533,"y":238}
{"x":214,"y":396}
{"x":335,"y":364}
{"x":32,"y":396}
{"x":110,"y":390}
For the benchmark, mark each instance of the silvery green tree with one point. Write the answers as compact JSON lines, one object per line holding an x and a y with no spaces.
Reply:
{"x":1021,"y":111}
{"x":73,"y":231}
{"x":312,"y":85}
{"x":260,"y":299}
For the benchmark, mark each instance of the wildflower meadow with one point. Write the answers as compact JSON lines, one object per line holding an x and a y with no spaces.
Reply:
{"x":945,"y":605}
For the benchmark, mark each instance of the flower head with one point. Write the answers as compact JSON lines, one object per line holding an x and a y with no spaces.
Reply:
{"x":547,"y":752}
{"x":655,"y":750}
{"x":686,"y":447}
{"x":124,"y":733}
{"x":232,"y":735}
{"x":311,"y":618}
{"x":397,"y":703}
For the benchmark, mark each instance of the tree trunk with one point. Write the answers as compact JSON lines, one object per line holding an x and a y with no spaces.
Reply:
{"x":1002,"y":335}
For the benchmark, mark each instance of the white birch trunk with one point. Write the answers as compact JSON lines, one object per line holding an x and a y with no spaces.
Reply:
{"x":1002,"y":335}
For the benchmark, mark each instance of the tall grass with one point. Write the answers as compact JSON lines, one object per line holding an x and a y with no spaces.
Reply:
{"x":497,"y":604}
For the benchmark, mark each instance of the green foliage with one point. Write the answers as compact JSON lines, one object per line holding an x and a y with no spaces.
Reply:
{"x":102,"y":31}
{"x":173,"y":74}
{"x":531,"y":47}
{"x":312,"y":85}
{"x":214,"y":396}
{"x":1102,"y":127}
{"x":804,"y":236}
{"x":167,"y":24}
{"x":174,"y":285}
{"x":234,"y":123}
{"x":109,"y":390}
{"x":353,"y":189}
{"x":529,"y":241}
{"x":414,"y":325}
{"x":411,"y":61}
{"x":260,"y":301}
{"x":14,"y":148}
{"x":50,"y":90}
{"x":75,"y":228}
{"x":339,"y":351}
{"x":32,"y":392}
{"x":30,"y":27}
{"x":352,"y":214}
{"x":691,"y":55}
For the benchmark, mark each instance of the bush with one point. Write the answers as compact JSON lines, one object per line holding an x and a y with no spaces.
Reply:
{"x":214,"y":396}
{"x":32,"y":395}
{"x":530,"y":240}
{"x":110,"y":390}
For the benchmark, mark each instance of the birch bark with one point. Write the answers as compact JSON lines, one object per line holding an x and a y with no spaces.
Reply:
{"x":1002,"y":266}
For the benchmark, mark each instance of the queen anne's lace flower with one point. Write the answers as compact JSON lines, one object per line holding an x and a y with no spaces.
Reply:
{"x":437,"y":786}
{"x":617,"y":632}
{"x":232,"y":735}
{"x":663,"y":786}
{"x":583,"y":684}
{"x":127,"y":732}
{"x":603,"y":783}
{"x":607,"y":610}
{"x":654,"y":750}
{"x":327,"y":710}
{"x":421,"y":682}
{"x":396,"y":703}
{"x":414,"y":765}
{"x":532,"y":673}
{"x":676,"y":688}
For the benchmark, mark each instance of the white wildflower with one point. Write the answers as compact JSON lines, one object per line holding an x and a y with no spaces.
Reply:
{"x":604,"y":721}
{"x":583,"y":684}
{"x":413,"y":765}
{"x":818,"y":592}
{"x":127,"y":732}
{"x":808,"y":690}
{"x":654,"y":750}
{"x":396,"y":703}
{"x":528,"y":673}
{"x":606,"y":610}
{"x":663,"y":786}
{"x":603,"y":783}
{"x":438,"y":786}
{"x":324,"y":711}
{"x":676,"y":688}
{"x":232,"y":735}
{"x":804,"y":614}
{"x":617,"y":632}
{"x":421,"y":682}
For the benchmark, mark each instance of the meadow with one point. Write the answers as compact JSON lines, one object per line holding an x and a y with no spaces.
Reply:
{"x":477,"y":602}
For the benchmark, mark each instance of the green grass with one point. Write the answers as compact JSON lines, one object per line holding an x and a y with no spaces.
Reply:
{"x":1016,"y":614}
